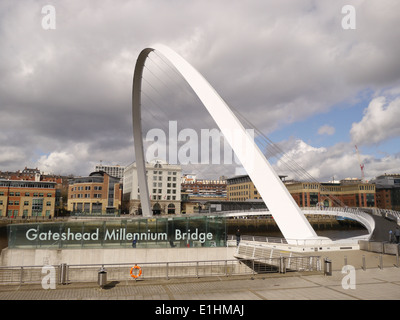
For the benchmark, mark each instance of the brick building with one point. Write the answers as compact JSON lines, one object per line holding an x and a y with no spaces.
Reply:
{"x":22,"y":198}
{"x":97,"y":194}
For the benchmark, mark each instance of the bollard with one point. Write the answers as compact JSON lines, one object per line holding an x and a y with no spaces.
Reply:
{"x":363,"y":263}
{"x":282,"y":265}
{"x":327,"y":267}
{"x":380,"y":262}
{"x":63,"y":273}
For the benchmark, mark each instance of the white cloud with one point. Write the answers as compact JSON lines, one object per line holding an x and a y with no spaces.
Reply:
{"x":379,"y":123}
{"x":278,"y":63}
{"x":339,"y":161}
{"x":326,"y":129}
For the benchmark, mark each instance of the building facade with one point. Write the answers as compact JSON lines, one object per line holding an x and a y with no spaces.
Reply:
{"x":347,"y":192}
{"x":388,"y":191}
{"x":97,"y":194}
{"x":21,"y":198}
{"x":241,"y":188}
{"x":164,"y":183}
{"x":114,"y":171}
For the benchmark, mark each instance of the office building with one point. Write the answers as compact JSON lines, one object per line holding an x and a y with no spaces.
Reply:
{"x":22,"y":198}
{"x":388,"y":191}
{"x":97,"y":194}
{"x":164,"y":183}
{"x":114,"y":171}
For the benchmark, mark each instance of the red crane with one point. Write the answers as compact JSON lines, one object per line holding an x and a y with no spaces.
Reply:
{"x":361,"y":164}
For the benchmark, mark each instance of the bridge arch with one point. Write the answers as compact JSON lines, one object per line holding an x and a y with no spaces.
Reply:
{"x":288,"y":216}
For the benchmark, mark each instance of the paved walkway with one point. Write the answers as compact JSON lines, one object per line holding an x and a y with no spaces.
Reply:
{"x":374,"y":283}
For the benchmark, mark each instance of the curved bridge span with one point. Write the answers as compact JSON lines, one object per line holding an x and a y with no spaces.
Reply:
{"x":363,"y":218}
{"x":289,"y":217}
{"x":282,"y":206}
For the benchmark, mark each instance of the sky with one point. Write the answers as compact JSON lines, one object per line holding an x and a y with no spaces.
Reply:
{"x":311,"y":85}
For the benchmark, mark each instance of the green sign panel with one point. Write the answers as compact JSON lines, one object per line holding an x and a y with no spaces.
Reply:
{"x":137,"y":233}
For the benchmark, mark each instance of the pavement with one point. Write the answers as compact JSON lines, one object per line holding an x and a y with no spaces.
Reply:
{"x":379,"y":281}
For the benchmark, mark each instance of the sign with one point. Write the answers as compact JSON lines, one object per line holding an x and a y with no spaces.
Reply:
{"x":136,"y":233}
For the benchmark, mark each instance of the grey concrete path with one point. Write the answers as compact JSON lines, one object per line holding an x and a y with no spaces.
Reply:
{"x":375,"y":283}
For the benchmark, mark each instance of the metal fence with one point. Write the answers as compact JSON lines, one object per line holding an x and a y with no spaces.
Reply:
{"x":157,"y":270}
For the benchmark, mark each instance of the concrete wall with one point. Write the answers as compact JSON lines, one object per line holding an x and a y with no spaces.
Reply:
{"x":39,"y":257}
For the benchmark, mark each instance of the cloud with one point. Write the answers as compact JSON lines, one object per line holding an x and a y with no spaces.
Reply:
{"x":326,"y":129}
{"x":65,"y":93}
{"x":339,"y":161}
{"x":380,"y":122}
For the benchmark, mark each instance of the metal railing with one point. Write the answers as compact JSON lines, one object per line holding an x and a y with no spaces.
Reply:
{"x":158,"y":270}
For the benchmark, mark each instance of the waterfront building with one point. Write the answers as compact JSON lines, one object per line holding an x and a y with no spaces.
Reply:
{"x":164,"y":183}
{"x":114,"y":171}
{"x":347,"y":192}
{"x":241,"y":188}
{"x":205,"y":188}
{"x":34,"y":174}
{"x":97,"y":194}
{"x":388,"y":191}
{"x":22,"y":198}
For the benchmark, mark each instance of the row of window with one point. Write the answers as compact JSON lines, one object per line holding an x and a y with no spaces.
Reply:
{"x":14,"y":213}
{"x":168,"y":191}
{"x":169,"y":172}
{"x":86,"y":188}
{"x":241,"y":193}
{"x":239,"y":187}
{"x":155,"y":197}
{"x":26,"y":194}
{"x":85,"y":195}
{"x":26,"y":203}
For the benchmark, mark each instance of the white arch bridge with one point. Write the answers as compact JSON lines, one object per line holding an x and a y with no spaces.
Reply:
{"x":288,"y":216}
{"x":365,"y":219}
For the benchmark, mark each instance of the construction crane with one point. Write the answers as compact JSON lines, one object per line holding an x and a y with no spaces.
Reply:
{"x":361,"y":164}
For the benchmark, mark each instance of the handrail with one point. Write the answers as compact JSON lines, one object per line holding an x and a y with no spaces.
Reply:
{"x":151,"y":270}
